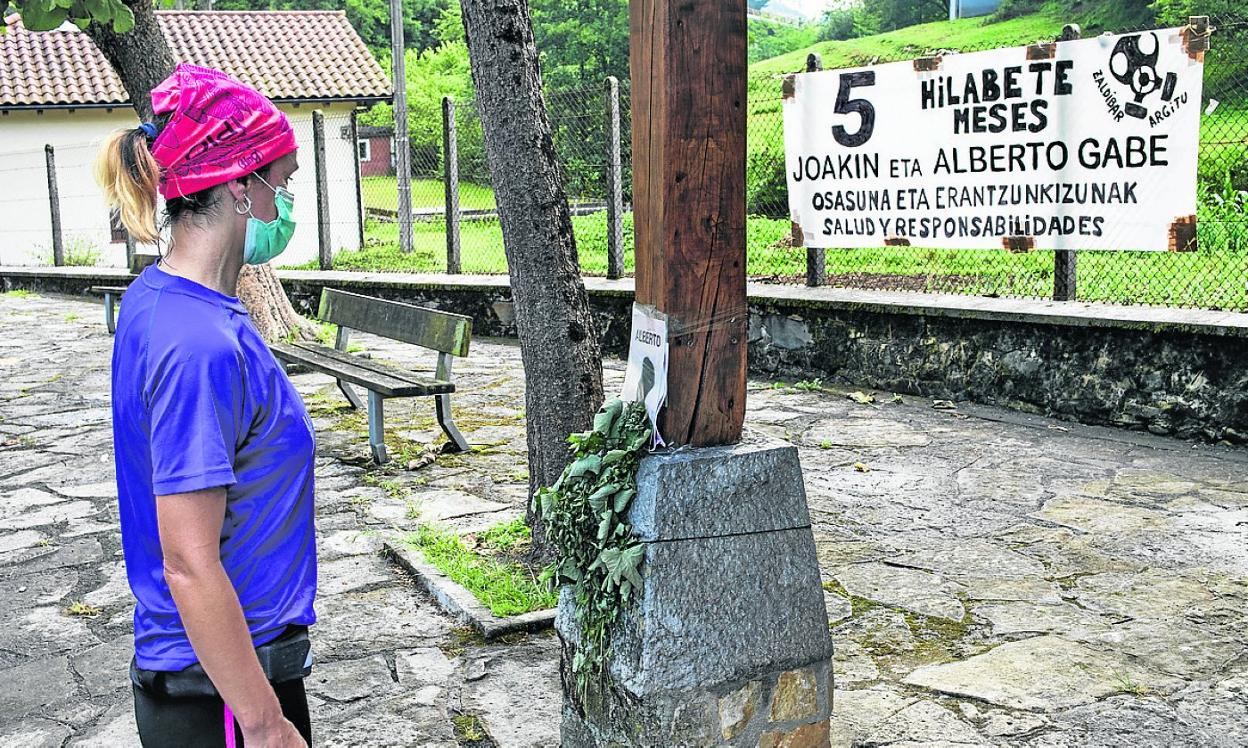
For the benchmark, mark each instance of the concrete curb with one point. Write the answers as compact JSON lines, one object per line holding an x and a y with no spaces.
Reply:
{"x":461,"y":604}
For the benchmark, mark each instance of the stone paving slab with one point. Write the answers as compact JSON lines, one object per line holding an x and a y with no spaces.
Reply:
{"x":993,"y":578}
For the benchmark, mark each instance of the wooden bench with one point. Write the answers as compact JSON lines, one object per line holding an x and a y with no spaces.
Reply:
{"x":446,"y":333}
{"x":111,"y":295}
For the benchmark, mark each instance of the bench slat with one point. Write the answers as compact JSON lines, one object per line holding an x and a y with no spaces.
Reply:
{"x":428,"y":328}
{"x":101,"y":290}
{"x":384,"y":384}
{"x":366,"y":363}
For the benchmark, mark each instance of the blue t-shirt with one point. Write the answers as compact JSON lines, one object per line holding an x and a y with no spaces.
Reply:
{"x":200,"y":402}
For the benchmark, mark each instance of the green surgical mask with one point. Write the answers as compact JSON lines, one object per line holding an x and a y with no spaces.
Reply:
{"x":267,"y":240}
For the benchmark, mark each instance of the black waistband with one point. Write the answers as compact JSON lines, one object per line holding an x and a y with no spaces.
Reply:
{"x":283,"y":659}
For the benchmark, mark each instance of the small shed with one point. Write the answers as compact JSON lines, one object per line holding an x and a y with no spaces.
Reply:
{"x":376,"y":147}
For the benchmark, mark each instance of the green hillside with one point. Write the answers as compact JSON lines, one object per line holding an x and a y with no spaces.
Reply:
{"x":965,"y":35}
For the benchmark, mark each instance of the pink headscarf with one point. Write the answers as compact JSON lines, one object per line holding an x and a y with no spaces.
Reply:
{"x":221,"y":129}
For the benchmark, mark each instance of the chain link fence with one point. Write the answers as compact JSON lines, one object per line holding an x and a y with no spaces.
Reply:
{"x":348,"y":209}
{"x":581,"y":122}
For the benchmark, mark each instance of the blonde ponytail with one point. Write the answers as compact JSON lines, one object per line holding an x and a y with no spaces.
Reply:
{"x":129,"y":176}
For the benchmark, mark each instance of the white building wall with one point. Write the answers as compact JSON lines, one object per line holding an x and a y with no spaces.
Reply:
{"x":25,"y":226}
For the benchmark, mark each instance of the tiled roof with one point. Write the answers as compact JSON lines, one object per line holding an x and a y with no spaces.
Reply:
{"x":286,"y":55}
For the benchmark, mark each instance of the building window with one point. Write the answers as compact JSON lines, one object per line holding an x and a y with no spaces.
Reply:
{"x":366,"y":150}
{"x":118,"y":231}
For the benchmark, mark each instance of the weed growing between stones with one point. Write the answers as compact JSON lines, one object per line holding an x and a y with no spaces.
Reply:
{"x":584,"y":513}
{"x":469,"y":730}
{"x":936,"y":638}
{"x":462,"y":637}
{"x":79,"y":609}
{"x":809,"y":385}
{"x":1127,"y":685}
{"x":857,"y":605}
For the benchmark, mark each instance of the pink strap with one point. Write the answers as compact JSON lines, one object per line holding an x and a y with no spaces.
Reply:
{"x":229,"y":728}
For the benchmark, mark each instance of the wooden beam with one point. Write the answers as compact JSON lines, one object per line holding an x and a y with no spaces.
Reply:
{"x":688,"y":65}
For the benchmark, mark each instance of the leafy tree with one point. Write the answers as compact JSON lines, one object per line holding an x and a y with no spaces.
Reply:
{"x":581,"y":42}
{"x":770,"y":39}
{"x":45,"y":15}
{"x":847,"y":23}
{"x":896,"y":14}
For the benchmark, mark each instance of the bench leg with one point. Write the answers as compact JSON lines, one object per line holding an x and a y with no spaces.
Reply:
{"x":376,"y":434}
{"x":348,"y":392}
{"x":110,"y":320}
{"x":442,"y":404}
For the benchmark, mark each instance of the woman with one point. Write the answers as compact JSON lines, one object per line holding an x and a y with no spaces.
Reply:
{"x":214,"y":448}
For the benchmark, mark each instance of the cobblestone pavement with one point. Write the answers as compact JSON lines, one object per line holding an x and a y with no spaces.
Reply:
{"x":993,"y":578}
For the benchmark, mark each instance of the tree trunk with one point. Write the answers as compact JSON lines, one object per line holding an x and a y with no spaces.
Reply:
{"x":140,"y":56}
{"x":203,"y":4}
{"x":142,"y":60}
{"x":558,"y":337}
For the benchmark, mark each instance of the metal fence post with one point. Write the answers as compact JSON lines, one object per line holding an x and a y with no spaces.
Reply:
{"x":325,"y":254}
{"x":54,"y":203}
{"x":816,"y":257}
{"x":450,"y":176}
{"x":402,"y":143}
{"x":359,"y":179}
{"x":1065,"y":274}
{"x":615,"y":187}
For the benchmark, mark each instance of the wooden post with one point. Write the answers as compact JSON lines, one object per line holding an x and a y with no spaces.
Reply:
{"x":450,"y":178}
{"x":688,"y":66}
{"x":54,"y":204}
{"x":1065,"y":260}
{"x":816,"y":257}
{"x":322,"y":191}
{"x":615,"y":187}
{"x":359,"y":178}
{"x":402,"y":146}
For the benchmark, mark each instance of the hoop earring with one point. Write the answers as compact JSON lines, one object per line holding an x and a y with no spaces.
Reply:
{"x":244,"y":207}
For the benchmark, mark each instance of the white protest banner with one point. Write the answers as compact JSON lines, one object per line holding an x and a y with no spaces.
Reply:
{"x":645,"y":379}
{"x":1087,"y":144}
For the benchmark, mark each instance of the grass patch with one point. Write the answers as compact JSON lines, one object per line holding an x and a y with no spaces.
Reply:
{"x":19,"y":293}
{"x":508,"y":536}
{"x":505,"y":587}
{"x":382,"y":193}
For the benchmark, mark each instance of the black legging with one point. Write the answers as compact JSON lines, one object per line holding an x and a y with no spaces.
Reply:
{"x":199,"y":722}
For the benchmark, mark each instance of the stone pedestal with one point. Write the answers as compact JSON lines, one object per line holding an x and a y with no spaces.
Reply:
{"x":728,"y":643}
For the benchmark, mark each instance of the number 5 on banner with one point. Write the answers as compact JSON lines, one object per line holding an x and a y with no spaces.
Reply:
{"x":861,"y":107}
